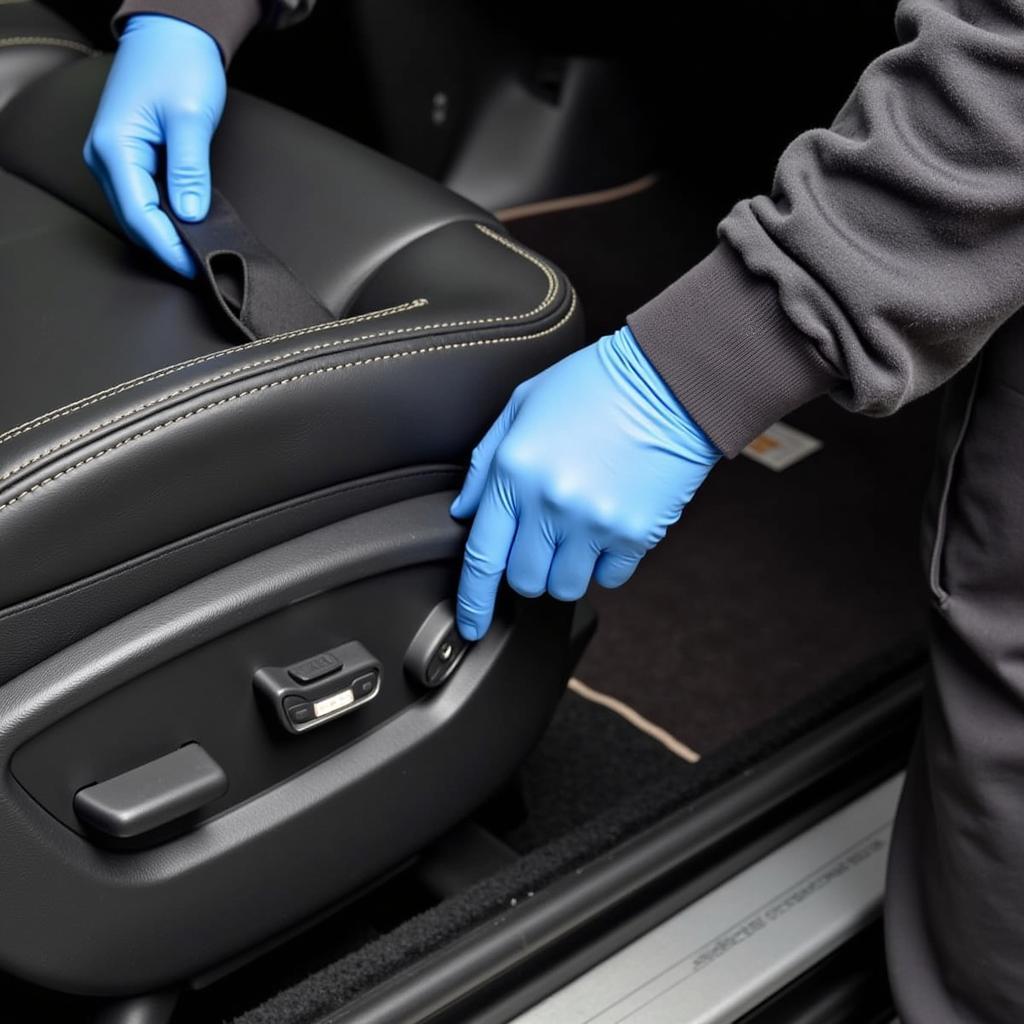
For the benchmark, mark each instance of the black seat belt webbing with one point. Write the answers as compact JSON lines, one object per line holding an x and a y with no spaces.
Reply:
{"x":258,"y":292}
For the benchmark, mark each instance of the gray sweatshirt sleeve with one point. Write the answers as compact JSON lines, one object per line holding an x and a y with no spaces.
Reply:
{"x":890,"y":248}
{"x":228,"y":21}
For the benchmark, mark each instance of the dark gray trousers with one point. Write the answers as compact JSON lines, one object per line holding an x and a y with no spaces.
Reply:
{"x":955,"y":901}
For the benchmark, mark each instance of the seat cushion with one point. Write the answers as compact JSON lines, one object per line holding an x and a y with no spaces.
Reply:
{"x":130,"y":422}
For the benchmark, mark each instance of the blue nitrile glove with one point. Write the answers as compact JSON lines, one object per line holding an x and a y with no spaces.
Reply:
{"x":584,"y":471}
{"x":166,"y":91}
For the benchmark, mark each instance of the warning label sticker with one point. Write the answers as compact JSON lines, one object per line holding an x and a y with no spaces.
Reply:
{"x":781,"y":446}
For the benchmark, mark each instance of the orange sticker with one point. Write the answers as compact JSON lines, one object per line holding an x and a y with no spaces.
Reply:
{"x":763,"y":444}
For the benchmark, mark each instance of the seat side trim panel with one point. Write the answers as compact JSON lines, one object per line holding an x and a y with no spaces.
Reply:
{"x":158,"y":916}
{"x":37,"y":628}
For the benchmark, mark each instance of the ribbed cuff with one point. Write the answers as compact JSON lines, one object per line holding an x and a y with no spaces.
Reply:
{"x":228,"y":22}
{"x":732,"y":357}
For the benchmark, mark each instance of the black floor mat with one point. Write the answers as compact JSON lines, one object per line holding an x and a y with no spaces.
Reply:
{"x":589,"y":760}
{"x":773,"y":583}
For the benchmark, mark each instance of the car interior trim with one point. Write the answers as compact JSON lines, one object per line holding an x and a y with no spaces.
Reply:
{"x":780,"y":914}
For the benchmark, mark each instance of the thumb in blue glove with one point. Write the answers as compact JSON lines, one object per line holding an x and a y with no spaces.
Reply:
{"x":166,"y":91}
{"x":586,"y":468}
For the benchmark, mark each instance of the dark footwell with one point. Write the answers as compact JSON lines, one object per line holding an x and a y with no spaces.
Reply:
{"x":773,"y":584}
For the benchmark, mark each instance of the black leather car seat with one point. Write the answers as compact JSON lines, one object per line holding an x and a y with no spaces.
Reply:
{"x":225,"y":567}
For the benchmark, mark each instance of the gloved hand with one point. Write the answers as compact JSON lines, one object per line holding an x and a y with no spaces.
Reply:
{"x":166,"y":90}
{"x":584,"y":471}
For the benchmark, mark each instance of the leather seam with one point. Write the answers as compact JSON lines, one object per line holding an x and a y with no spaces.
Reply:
{"x":121,"y":389}
{"x":426,"y":350}
{"x":104,"y":576}
{"x":67,"y":44}
{"x":97,"y":427}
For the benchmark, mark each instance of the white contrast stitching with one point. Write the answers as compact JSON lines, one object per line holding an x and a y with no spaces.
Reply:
{"x":68,"y":44}
{"x":97,"y":427}
{"x":157,"y":375}
{"x":84,"y":403}
{"x":450,"y":346}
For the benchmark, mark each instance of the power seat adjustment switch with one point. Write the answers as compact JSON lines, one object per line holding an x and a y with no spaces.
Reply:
{"x":321,"y":688}
{"x":437,"y":648}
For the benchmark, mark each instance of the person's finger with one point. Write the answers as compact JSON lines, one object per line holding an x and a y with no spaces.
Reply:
{"x":484,"y":562}
{"x":530,"y":558}
{"x":615,"y":568}
{"x":138,"y":203}
{"x":468,"y":499}
{"x":188,"y":166}
{"x":572,"y":567}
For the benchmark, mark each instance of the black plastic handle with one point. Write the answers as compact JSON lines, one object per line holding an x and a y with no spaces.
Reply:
{"x":152,"y":795}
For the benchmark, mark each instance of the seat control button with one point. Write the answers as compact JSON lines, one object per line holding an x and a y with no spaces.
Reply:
{"x":444,"y":657}
{"x":299,"y":711}
{"x":365,"y":685}
{"x":312,"y":669}
{"x":334,"y":703}
{"x":321,"y":688}
{"x":437,"y":649}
